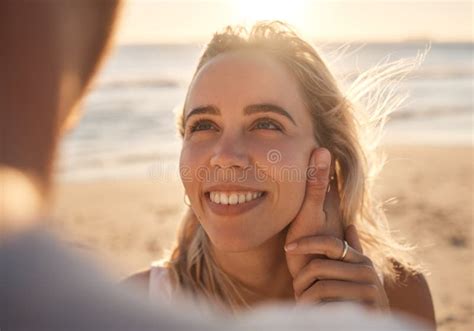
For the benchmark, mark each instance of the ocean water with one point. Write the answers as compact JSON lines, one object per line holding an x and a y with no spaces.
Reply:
{"x":128,"y":127}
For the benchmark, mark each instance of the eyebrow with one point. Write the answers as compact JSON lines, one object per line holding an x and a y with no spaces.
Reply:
{"x":267,"y":108}
{"x":209,"y":109}
{"x":249,"y":110}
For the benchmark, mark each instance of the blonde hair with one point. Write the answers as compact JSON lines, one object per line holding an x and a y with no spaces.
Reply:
{"x":349,"y":126}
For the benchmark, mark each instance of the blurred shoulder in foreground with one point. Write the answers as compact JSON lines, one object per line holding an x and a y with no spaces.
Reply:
{"x":42,"y":277}
{"x":139,"y":281}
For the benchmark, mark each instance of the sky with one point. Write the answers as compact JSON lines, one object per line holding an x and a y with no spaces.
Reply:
{"x":183,"y":21}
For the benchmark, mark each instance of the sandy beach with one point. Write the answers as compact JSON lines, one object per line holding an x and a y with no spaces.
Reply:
{"x":130,"y":223}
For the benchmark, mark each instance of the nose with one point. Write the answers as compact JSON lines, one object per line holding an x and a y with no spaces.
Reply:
{"x":230,"y":152}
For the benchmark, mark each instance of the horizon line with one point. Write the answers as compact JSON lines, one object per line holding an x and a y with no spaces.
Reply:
{"x":322,"y":41}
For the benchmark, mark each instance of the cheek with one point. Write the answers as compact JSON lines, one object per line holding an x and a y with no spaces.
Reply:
{"x":290,"y":191}
{"x":288,"y":176}
{"x":193,"y":170}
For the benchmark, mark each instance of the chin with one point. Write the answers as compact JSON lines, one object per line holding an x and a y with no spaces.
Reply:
{"x":235,"y":244}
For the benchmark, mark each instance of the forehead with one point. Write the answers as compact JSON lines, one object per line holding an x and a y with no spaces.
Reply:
{"x":242,"y":78}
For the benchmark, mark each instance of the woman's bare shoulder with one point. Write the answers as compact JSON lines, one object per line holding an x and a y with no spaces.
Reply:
{"x":138,"y":279}
{"x":411,"y":294}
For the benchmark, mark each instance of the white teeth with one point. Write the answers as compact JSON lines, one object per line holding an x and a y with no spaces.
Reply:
{"x":224,"y":198}
{"x":248,"y":196}
{"x":233,"y":198}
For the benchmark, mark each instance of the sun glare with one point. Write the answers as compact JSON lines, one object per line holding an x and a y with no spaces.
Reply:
{"x":249,"y":11}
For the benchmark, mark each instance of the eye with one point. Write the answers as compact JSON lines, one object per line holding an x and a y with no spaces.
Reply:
{"x":202,"y":125}
{"x":267,"y":124}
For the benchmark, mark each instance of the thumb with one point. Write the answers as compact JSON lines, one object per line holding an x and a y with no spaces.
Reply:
{"x":352,"y":238}
{"x":317,"y":181}
{"x":311,"y":216}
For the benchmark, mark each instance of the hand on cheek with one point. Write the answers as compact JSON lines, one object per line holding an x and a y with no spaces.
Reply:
{"x":324,"y":267}
{"x":319,"y":212}
{"x":344,"y":273}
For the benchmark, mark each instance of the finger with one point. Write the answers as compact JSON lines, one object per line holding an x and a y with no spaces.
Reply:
{"x":336,"y":290}
{"x":331,"y":247}
{"x":323,"y":269}
{"x":317,"y":182}
{"x":311,"y":218}
{"x":352,"y":238}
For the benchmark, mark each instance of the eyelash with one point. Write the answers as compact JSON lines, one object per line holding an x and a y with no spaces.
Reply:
{"x":268,"y":120}
{"x":195,"y":125}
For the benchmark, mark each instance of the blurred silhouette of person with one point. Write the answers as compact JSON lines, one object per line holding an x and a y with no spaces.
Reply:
{"x":49,"y":54}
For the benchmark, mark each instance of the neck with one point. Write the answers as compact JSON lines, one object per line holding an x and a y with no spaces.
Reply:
{"x":263,"y":270}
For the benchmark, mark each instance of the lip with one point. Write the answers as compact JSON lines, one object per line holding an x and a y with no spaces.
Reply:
{"x":232,"y":210}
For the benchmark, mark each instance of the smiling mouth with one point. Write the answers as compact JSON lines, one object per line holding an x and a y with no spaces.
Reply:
{"x":234,"y":203}
{"x":234,"y":198}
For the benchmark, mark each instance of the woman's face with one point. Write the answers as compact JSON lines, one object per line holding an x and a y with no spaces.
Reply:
{"x":246,"y":149}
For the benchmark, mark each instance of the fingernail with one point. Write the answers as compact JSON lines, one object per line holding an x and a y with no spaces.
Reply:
{"x":321,"y":166}
{"x":323,"y":161}
{"x":318,"y":164}
{"x":290,"y":247}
